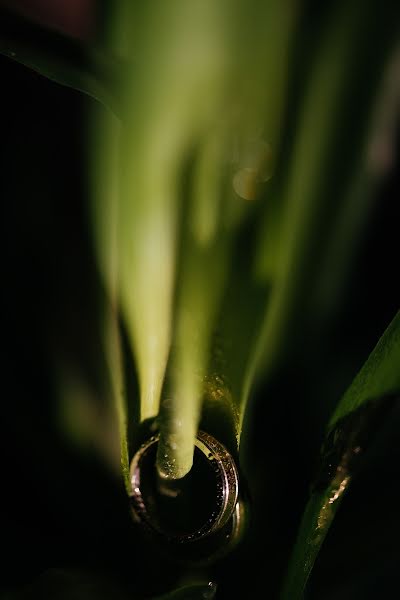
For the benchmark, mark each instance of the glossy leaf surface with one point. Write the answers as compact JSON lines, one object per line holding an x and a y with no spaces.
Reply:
{"x":352,"y":427}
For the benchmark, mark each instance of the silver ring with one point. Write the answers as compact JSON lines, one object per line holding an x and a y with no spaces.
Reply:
{"x":219,"y":467}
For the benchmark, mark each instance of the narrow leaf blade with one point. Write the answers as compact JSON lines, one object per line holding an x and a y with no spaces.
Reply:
{"x":380,"y":375}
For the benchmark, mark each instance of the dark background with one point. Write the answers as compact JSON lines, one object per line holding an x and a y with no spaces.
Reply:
{"x":65,"y":526}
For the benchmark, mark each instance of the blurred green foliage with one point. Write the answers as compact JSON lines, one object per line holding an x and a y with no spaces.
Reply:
{"x":235,"y":284}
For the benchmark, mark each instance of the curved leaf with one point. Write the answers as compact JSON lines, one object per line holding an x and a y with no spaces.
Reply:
{"x":354,"y":422}
{"x":380,"y":375}
{"x":62,"y":59}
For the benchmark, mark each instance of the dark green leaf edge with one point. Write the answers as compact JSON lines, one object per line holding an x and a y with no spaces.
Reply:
{"x":61,"y":59}
{"x":380,"y":375}
{"x":354,"y":422}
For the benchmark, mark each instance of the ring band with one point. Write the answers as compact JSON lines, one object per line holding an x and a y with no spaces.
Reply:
{"x":221,"y":471}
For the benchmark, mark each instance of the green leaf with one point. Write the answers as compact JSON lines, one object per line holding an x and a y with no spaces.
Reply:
{"x":356,"y":418}
{"x":64,"y":60}
{"x":380,"y":375}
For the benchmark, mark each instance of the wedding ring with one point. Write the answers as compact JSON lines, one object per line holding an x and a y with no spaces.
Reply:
{"x":203,"y":503}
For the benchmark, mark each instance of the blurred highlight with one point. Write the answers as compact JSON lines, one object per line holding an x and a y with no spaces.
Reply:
{"x":197,"y":160}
